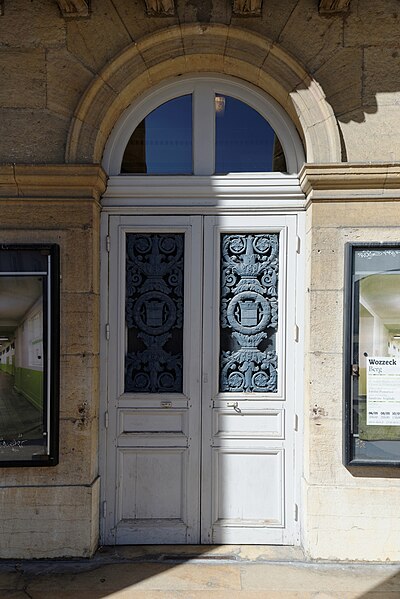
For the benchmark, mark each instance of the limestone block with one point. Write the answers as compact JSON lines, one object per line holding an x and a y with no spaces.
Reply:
{"x":80,"y":263}
{"x":105,"y":96}
{"x":341,"y":78}
{"x":78,"y":463}
{"x":372,"y":23}
{"x":91,"y":142}
{"x":32,"y":24}
{"x":79,"y":382}
{"x":67,"y":79}
{"x":23,"y":78}
{"x":138,"y":23}
{"x":49,"y":522}
{"x":310,"y":37}
{"x":325,"y":459}
{"x":382,"y":75}
{"x":159,"y":72}
{"x":275,"y":14}
{"x":126,"y":69}
{"x":200,"y":63}
{"x":325,"y":254}
{"x":356,"y":214}
{"x":199,"y":40}
{"x":371,"y":134}
{"x":96,"y":40}
{"x":164,"y":46}
{"x":26,"y":215}
{"x":325,"y":378}
{"x":79,"y":323}
{"x":355,"y":523}
{"x":283,"y":76}
{"x":233,"y":66}
{"x":238,"y":46}
{"x":38,"y":136}
{"x":326,"y":334}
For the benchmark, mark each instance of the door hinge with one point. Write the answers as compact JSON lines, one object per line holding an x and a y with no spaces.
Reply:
{"x":107,"y":331}
{"x":296,"y":422}
{"x":106,"y":419}
{"x":104,"y":509}
{"x":296,"y":332}
{"x":296,"y":512}
{"x":298,"y":244}
{"x":108,"y":243}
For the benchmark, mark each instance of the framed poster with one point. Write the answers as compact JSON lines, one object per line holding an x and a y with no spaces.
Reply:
{"x":372,"y":354}
{"x":29,"y":354}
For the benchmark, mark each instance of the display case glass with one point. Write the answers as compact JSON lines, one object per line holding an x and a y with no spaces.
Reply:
{"x":29,"y":354}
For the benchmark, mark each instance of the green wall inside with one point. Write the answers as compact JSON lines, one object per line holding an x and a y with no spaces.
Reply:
{"x":30,"y":384}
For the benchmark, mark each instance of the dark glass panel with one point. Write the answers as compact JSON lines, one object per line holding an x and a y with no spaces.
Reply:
{"x":245,"y":142}
{"x":162,"y":143}
{"x":154,"y":312}
{"x":249,"y":312}
{"x":376,"y":355}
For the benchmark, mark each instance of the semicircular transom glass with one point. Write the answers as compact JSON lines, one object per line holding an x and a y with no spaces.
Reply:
{"x":162,"y":142}
{"x":244,"y":141}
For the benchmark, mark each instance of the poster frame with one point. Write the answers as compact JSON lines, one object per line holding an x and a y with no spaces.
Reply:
{"x":350,"y":355}
{"x":51,"y":349}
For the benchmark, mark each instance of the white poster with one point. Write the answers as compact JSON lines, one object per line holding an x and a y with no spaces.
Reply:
{"x":383,"y":391}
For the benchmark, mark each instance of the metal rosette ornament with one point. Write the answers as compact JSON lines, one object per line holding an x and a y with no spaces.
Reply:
{"x":154,"y":313}
{"x":249,"y":312}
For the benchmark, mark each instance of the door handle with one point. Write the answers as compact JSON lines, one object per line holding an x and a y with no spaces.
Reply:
{"x":234,"y":405}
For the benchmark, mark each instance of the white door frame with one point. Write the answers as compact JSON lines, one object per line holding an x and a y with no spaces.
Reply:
{"x":118,"y":207}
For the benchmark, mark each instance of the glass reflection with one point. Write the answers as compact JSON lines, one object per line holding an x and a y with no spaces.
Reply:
{"x":22,"y":427}
{"x":162,"y":142}
{"x":376,"y":349}
{"x":245,"y":142}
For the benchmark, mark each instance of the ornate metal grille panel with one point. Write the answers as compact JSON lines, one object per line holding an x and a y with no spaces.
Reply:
{"x":249,"y":312}
{"x":154,"y":312}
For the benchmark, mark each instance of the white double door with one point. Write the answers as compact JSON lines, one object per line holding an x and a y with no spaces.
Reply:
{"x":200,"y":380}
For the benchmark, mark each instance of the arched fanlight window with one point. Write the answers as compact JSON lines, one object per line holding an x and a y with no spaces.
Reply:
{"x":204,"y":126}
{"x":162,"y":142}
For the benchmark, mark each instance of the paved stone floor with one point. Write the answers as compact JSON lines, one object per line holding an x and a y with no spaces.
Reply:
{"x":223,"y":572}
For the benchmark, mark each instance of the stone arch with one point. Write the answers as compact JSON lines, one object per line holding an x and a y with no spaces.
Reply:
{"x":190,"y":49}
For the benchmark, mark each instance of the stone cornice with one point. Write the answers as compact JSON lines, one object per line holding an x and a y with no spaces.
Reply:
{"x":52,"y":181}
{"x":350,"y":182}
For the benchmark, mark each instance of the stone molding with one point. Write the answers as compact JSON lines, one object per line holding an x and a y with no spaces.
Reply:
{"x":192,"y":49}
{"x":329,"y":7}
{"x":58,"y":181}
{"x":350,"y":182}
{"x":72,"y":9}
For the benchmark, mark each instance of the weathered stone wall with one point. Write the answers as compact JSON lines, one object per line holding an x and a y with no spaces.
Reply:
{"x":49,"y":512}
{"x":349,"y":513}
{"x":47,"y":62}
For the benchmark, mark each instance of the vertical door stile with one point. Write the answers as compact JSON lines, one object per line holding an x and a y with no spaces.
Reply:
{"x":247,"y":474}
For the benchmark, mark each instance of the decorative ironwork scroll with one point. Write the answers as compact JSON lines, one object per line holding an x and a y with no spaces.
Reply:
{"x":249,"y":312}
{"x":154,"y":312}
